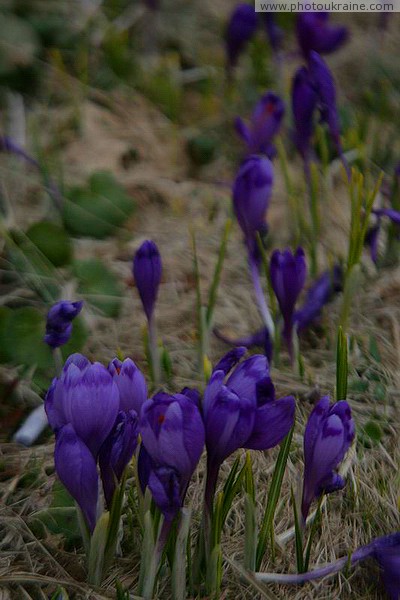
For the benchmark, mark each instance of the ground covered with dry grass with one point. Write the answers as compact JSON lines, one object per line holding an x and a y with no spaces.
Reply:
{"x":89,"y":129}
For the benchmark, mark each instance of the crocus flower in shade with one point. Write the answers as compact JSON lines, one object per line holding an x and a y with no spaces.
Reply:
{"x":59,"y":322}
{"x":241,"y":28}
{"x":304,"y":103}
{"x":76,"y":468}
{"x":372,"y":235}
{"x":288,"y":274}
{"x":251,"y":193}
{"x":328,"y":436}
{"x":314,"y":32}
{"x":325,"y":87}
{"x":265,"y":123}
{"x":319,"y":294}
{"x":117,"y":451}
{"x":86,"y":396}
{"x":131,"y":384}
{"x":172,"y":434}
{"x":274,"y":32}
{"x":241,"y":412}
{"x":385,"y":550}
{"x":147,"y":270}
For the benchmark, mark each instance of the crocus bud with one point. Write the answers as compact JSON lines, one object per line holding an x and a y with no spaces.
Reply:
{"x":241,"y":28}
{"x":76,"y":468}
{"x":288,"y":273}
{"x":328,"y":436}
{"x":59,"y":322}
{"x":131,"y":384}
{"x":85,"y":396}
{"x":387,"y":554}
{"x":265,"y":124}
{"x":325,"y":87}
{"x":314,"y":32}
{"x":117,"y":451}
{"x":251,"y":194}
{"x":304,"y":103}
{"x":172,"y":433}
{"x":273,"y":31}
{"x":319,"y":294}
{"x":147,"y":270}
{"x":241,"y":412}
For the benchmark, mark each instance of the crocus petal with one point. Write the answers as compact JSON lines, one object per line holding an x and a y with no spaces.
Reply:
{"x":94,"y":405}
{"x":260,"y":338}
{"x":242,"y":130}
{"x":304,"y":103}
{"x":131,"y":384}
{"x":147,"y":269}
{"x":241,"y":28}
{"x":230,"y":359}
{"x":314,"y":32}
{"x":319,"y":294}
{"x":393,"y":215}
{"x":165,"y":489}
{"x":272,"y":423}
{"x":245,"y":377}
{"x":76,"y":468}
{"x":58,"y":323}
{"x":325,"y":88}
{"x":212,"y":390}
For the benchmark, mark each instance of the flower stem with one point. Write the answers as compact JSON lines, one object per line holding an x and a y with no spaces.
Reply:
{"x":154,"y":353}
{"x":260,"y":297}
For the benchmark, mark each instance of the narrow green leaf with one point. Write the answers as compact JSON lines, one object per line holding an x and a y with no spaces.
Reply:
{"x":97,"y":550}
{"x":178,"y":577}
{"x":148,"y":569}
{"x":267,"y":529}
{"x":114,"y":523}
{"x":214,"y":572}
{"x":314,"y":527}
{"x":341,"y":365}
{"x":298,"y":536}
{"x":212,"y":297}
{"x":248,"y":477}
{"x":250,"y":544}
{"x":231,"y":488}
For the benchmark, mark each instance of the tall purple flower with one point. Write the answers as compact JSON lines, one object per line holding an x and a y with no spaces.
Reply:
{"x":328,"y":436}
{"x":59,"y":322}
{"x":131,"y":384}
{"x":241,"y":412}
{"x":241,"y":28}
{"x":117,"y":451}
{"x":319,"y":294}
{"x":85,"y":396}
{"x":147,"y":270}
{"x":265,"y":123}
{"x":172,"y":433}
{"x":76,"y":468}
{"x":273,"y":31}
{"x":314,"y":32}
{"x":288,"y":273}
{"x":251,"y":194}
{"x":304,"y":103}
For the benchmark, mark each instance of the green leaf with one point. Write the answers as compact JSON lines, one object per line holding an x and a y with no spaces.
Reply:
{"x":341,"y":365}
{"x":250,"y":544}
{"x":97,"y":209}
{"x":267,"y":525}
{"x":201,"y":149}
{"x":232,"y":487}
{"x":23,"y":338}
{"x":97,"y":550}
{"x":99,"y":286}
{"x":373,"y":431}
{"x":5,"y":349}
{"x":298,"y":536}
{"x":52,"y":241}
{"x":178,"y":576}
{"x":212,"y":297}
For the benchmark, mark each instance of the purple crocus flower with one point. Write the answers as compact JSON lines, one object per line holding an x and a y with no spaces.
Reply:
{"x":241,"y":28}
{"x":147,"y":270}
{"x":59,"y":322}
{"x":274,"y":32}
{"x":172,"y":433}
{"x":265,"y":123}
{"x":251,"y":193}
{"x":86,"y":397}
{"x":304,"y":103}
{"x":385,"y":550}
{"x":131,"y":384}
{"x":319,"y":294}
{"x":314,"y":32}
{"x":76,"y":468}
{"x":372,"y":235}
{"x":288,"y":274}
{"x":117,"y":451}
{"x":241,"y":412}
{"x":328,"y":436}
